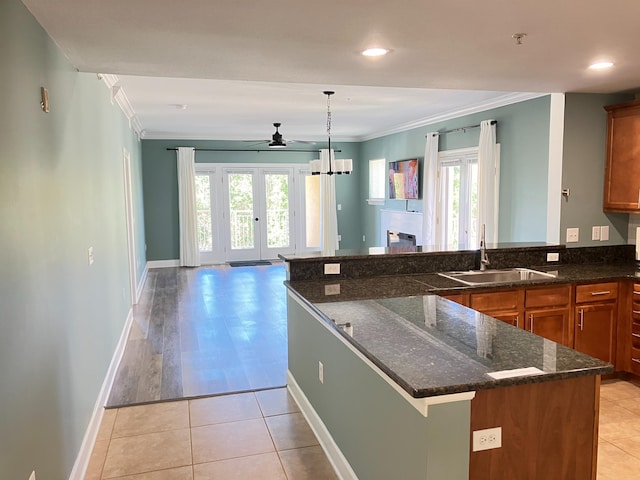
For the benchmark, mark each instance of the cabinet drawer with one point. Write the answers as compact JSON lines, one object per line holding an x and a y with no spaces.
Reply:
{"x":635,"y":360}
{"x":484,"y":302}
{"x":597,"y":292}
{"x":547,"y":296}
{"x":635,"y":336}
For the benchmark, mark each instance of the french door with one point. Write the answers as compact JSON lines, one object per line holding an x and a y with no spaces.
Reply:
{"x":244,"y":212}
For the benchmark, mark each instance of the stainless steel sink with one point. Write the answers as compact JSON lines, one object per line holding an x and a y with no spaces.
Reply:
{"x":489,"y":277}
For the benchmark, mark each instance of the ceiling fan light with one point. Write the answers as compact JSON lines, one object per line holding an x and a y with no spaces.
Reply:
{"x":277,"y":145}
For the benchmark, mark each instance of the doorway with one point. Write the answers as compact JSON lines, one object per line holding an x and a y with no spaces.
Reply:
{"x":247,"y":212}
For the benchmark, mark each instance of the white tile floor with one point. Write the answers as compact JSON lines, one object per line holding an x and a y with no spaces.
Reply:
{"x":243,"y":436}
{"x":263,"y":435}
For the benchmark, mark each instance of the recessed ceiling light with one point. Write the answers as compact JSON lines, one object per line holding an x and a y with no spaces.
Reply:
{"x":375,"y":52}
{"x":600,"y":65}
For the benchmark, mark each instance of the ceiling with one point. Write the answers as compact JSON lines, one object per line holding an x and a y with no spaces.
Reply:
{"x":240,"y":66}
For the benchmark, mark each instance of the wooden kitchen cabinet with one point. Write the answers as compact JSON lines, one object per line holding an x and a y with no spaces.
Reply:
{"x":505,"y":305}
{"x":548,"y":313}
{"x":622,"y":167}
{"x":634,"y":366}
{"x":596,"y":311}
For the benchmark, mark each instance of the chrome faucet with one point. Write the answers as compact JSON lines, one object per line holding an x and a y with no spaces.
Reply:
{"x":484,"y":259}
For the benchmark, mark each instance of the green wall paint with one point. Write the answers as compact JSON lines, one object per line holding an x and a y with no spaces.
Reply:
{"x":61,"y":191}
{"x":584,"y":150}
{"x":523,"y":134}
{"x":379,"y":432}
{"x":160,"y":184}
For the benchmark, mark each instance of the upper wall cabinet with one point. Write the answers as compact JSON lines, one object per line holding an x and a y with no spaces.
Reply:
{"x":622,"y":170}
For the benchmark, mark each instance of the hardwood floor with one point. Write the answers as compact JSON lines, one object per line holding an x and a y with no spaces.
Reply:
{"x":205,"y":331}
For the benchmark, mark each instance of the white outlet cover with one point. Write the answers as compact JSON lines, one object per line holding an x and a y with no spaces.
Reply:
{"x":595,"y":233}
{"x":573,"y":234}
{"x":331,"y":268}
{"x":487,"y":439}
{"x":604,"y":233}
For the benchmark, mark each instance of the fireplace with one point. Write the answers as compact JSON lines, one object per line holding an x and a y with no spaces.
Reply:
{"x":397,"y":239}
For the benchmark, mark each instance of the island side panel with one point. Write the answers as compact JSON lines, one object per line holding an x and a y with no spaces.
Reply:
{"x":549,"y":430}
{"x":380,"y":434}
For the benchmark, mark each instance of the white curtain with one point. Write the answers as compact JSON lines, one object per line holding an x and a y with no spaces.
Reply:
{"x":431,"y":226}
{"x":328,"y":210}
{"x":488,"y":181}
{"x":189,"y":250}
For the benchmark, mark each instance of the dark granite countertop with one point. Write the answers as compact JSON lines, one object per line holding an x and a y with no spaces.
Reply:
{"x":337,"y":290}
{"x":431,"y":346}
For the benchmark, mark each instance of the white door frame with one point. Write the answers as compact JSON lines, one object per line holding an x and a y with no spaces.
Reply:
{"x":130,"y":226}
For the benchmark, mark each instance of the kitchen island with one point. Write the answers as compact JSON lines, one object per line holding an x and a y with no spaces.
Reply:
{"x":394,"y":388}
{"x":394,"y":380}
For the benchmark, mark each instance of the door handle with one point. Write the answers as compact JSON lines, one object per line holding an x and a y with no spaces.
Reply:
{"x":256,"y":219}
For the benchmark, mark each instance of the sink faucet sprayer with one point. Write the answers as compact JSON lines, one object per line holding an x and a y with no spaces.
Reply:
{"x":484,"y":259}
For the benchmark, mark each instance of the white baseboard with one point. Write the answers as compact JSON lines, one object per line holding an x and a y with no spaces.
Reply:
{"x":84,"y":455}
{"x":143,"y":280}
{"x":334,"y":454}
{"x":163,"y":263}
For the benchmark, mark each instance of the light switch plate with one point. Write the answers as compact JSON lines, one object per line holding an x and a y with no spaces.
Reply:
{"x":604,"y":233}
{"x":595,"y":233}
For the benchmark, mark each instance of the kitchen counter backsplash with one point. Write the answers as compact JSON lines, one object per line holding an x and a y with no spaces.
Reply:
{"x":363,"y":266}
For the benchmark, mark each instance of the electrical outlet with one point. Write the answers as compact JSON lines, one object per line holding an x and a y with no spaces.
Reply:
{"x":339,"y":238}
{"x":595,"y":233}
{"x":321,"y":372}
{"x":331,"y":268}
{"x":487,"y":439}
{"x":604,"y":233}
{"x":573,"y":234}
{"x":363,"y":238}
{"x":553,"y":257}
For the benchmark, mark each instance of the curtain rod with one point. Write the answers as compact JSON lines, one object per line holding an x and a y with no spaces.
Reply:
{"x":435,"y":134}
{"x":250,"y":150}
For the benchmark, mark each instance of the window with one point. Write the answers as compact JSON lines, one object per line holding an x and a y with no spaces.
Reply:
{"x":458,"y":202}
{"x":377,"y":181}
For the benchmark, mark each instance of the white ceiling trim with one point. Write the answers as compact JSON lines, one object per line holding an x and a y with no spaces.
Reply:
{"x":120,"y":97}
{"x":502,"y":101}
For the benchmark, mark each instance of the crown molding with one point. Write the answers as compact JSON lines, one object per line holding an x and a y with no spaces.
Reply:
{"x":119,"y":96}
{"x":497,"y":102}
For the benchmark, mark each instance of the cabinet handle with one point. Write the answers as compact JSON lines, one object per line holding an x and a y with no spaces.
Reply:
{"x":637,"y":312}
{"x":635,"y":360}
{"x":635,"y":335}
{"x":581,"y":322}
{"x":517,"y":319}
{"x":531,"y":319}
{"x":636,"y":293}
{"x":604,"y":292}
{"x":638,"y":198}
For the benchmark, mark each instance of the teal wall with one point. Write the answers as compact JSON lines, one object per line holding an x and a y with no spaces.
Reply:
{"x":160,"y":182}
{"x":382,"y":436}
{"x":584,"y":150}
{"x":523,"y":134}
{"x":61,"y":191}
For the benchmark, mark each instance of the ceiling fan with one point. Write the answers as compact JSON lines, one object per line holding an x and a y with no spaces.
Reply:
{"x":278,"y":141}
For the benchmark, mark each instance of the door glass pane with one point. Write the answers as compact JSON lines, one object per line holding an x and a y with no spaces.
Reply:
{"x":473,"y":240}
{"x":451,"y":197}
{"x":312,"y":210}
{"x":241,"y":210}
{"x":277,"y":198}
{"x":203,"y":210}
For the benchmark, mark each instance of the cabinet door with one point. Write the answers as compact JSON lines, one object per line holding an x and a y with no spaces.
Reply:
{"x":622,"y":170}
{"x":550,"y":323}
{"x":595,"y":330}
{"x":512,"y":318}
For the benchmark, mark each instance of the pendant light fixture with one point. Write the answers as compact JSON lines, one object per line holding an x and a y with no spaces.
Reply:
{"x":335,"y":166}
